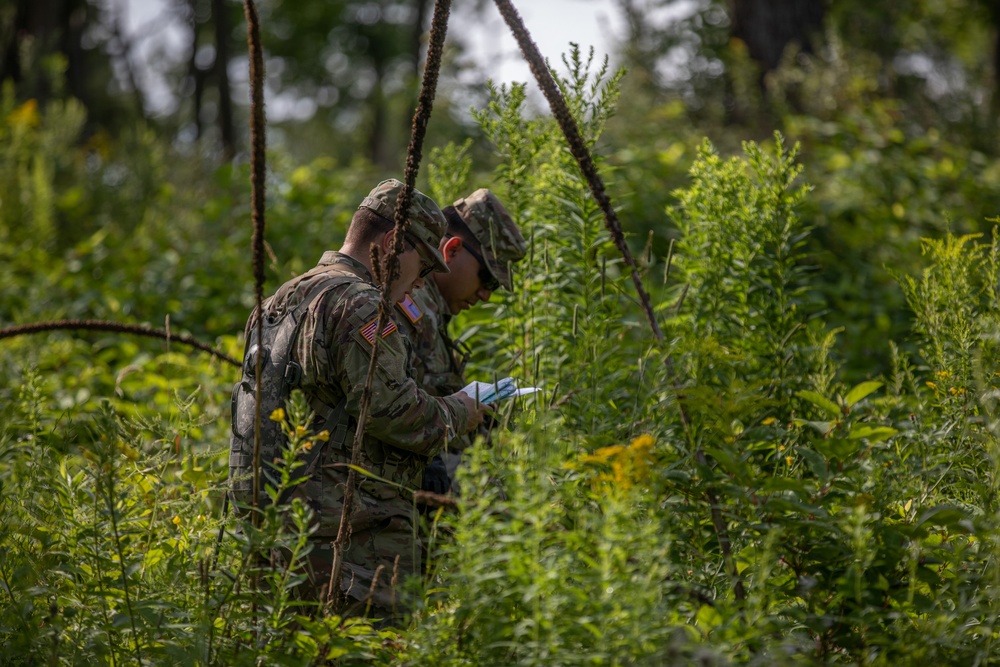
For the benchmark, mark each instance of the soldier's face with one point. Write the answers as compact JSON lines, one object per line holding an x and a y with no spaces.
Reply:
{"x":462,"y":287}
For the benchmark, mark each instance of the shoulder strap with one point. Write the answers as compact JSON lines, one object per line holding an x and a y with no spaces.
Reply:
{"x":329,"y":416}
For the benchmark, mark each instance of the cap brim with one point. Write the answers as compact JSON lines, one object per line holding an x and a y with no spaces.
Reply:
{"x":439,"y":263}
{"x":499,"y":270}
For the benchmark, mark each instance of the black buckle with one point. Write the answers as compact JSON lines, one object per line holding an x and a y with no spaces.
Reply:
{"x":250,"y":363}
{"x":293,"y":374}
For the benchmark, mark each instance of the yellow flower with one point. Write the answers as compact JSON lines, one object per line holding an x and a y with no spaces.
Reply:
{"x":769,"y":421}
{"x":931,"y":385}
{"x":629,"y":464}
{"x":301,"y":431}
{"x":781,"y":448}
{"x":323,"y":436}
{"x":307,"y":445}
{"x":176,"y":520}
{"x":602,"y":455}
{"x":644,"y":442}
{"x":278,"y":415}
{"x":789,"y":460}
{"x":26,"y":114}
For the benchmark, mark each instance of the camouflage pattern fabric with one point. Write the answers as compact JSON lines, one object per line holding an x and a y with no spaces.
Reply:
{"x":436,"y":362}
{"x":496,"y":232}
{"x":407,"y":425}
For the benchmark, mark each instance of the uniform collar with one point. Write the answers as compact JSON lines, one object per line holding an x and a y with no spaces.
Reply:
{"x":331,"y":257}
{"x":437,"y":299}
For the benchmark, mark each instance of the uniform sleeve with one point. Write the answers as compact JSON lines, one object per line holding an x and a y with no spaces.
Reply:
{"x":402,"y":414}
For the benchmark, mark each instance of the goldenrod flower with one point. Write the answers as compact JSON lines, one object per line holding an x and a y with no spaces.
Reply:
{"x":602,"y":455}
{"x":644,"y":441}
{"x":629,"y":464}
{"x":26,"y":114}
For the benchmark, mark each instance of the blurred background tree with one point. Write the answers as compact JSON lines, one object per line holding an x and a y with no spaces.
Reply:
{"x":895,"y":106}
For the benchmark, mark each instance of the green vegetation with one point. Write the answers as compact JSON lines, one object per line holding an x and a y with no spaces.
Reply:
{"x":805,"y":472}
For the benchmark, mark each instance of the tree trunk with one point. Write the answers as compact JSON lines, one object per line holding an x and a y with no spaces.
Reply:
{"x":221,"y":20}
{"x":769,"y":26}
{"x":55,"y":26}
{"x":196,"y":74}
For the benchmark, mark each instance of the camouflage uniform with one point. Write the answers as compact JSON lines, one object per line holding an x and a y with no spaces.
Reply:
{"x":407,"y":425}
{"x":437,"y":362}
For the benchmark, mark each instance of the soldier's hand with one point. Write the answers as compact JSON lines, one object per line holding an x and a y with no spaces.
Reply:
{"x":474,"y":409}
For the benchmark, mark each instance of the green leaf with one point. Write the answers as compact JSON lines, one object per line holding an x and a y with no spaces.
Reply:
{"x":820,"y":401}
{"x":861,"y":391}
{"x":196,"y":475}
{"x":942,"y":515}
{"x":838,"y":448}
{"x":823,"y":428}
{"x":726,"y":460}
{"x":707,"y":617}
{"x":873,"y":433}
{"x":816,"y":462}
{"x":774,"y":484}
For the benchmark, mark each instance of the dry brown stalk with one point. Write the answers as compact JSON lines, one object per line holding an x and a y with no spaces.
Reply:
{"x":578,"y":147}
{"x":117,"y":327}
{"x":425,"y":103}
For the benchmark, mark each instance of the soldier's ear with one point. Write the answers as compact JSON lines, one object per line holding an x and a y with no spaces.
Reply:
{"x":387,"y":241}
{"x":451,"y":247}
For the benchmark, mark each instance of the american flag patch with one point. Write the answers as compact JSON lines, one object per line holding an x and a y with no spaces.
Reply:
{"x":410,"y":309}
{"x":368,"y":331}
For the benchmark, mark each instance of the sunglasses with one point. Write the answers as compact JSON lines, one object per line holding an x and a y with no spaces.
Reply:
{"x":486,"y":279}
{"x":429,"y":266}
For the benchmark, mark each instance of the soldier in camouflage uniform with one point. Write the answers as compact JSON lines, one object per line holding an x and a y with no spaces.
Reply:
{"x":481,"y":244}
{"x":407,"y":425}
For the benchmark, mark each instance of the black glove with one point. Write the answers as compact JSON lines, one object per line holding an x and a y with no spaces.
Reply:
{"x":436,"y":478}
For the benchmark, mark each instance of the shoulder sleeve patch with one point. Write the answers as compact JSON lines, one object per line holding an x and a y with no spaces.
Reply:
{"x":410,"y":309}
{"x":368,"y":330}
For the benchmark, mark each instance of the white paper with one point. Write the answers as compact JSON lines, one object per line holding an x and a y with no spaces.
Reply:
{"x":487,"y":392}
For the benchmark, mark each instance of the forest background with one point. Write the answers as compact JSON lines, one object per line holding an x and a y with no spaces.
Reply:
{"x":804,"y":472}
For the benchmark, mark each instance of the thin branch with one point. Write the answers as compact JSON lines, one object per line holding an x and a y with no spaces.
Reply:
{"x":117,"y":327}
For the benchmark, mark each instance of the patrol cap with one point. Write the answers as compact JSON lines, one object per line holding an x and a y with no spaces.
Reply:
{"x":427,"y":223}
{"x":495,"y":230}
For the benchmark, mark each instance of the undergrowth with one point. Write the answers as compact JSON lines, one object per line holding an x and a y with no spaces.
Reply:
{"x":723,"y":497}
